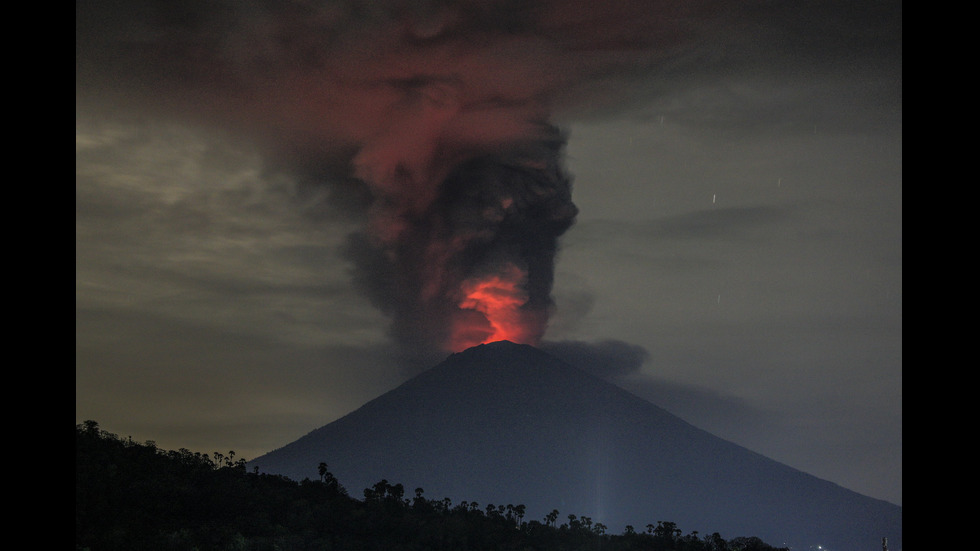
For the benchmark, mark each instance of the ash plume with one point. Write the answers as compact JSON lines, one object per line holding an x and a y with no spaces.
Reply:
{"x":440,"y":114}
{"x":498,"y":214}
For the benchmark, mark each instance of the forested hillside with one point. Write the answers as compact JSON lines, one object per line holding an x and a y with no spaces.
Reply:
{"x":131,"y":495}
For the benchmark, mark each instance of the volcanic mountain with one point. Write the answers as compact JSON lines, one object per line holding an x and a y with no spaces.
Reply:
{"x":503,"y":423}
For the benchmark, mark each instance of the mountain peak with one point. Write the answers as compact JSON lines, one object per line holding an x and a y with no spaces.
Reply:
{"x":504,"y":344}
{"x":509,"y":423}
{"x":498,"y":351}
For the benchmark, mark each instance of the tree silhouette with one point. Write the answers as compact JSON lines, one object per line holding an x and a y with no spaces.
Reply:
{"x":136,"y":496}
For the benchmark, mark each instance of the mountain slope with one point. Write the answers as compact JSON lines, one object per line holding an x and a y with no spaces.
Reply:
{"x":505,"y":423}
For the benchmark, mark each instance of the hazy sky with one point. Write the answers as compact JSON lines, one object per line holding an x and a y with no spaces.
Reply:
{"x":737,"y":168}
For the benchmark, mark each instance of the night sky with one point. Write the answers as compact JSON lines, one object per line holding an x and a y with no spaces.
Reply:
{"x":246,"y":172}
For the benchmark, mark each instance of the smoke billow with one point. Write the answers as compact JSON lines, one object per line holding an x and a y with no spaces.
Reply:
{"x":475,"y":262}
{"x":441,"y":111}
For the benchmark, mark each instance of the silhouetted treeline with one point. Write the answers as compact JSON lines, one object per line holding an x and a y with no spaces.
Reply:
{"x":130,"y":495}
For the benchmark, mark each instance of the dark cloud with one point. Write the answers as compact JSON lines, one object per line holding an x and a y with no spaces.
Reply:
{"x":356,"y":73}
{"x":337,"y":77}
{"x":609,"y":359}
{"x":443,"y":107}
{"x":433,"y":119}
{"x":493,"y":214}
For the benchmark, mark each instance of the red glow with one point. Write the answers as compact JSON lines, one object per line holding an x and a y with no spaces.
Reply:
{"x":491,"y":310}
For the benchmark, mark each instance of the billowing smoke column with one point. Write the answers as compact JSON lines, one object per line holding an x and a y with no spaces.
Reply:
{"x":441,"y":109}
{"x":469,"y":258}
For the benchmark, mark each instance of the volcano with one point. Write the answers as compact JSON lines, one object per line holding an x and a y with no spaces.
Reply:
{"x":506,"y":423}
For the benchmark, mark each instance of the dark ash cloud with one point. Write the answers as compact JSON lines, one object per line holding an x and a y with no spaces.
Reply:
{"x":433,"y":119}
{"x":608,"y":359}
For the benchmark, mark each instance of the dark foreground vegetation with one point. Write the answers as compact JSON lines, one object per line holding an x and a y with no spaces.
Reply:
{"x":136,"y":496}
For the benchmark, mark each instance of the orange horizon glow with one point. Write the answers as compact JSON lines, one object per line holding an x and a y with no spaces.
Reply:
{"x":491,"y":310}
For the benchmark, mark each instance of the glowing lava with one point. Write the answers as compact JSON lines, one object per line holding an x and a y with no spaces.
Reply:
{"x":492,"y":309}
